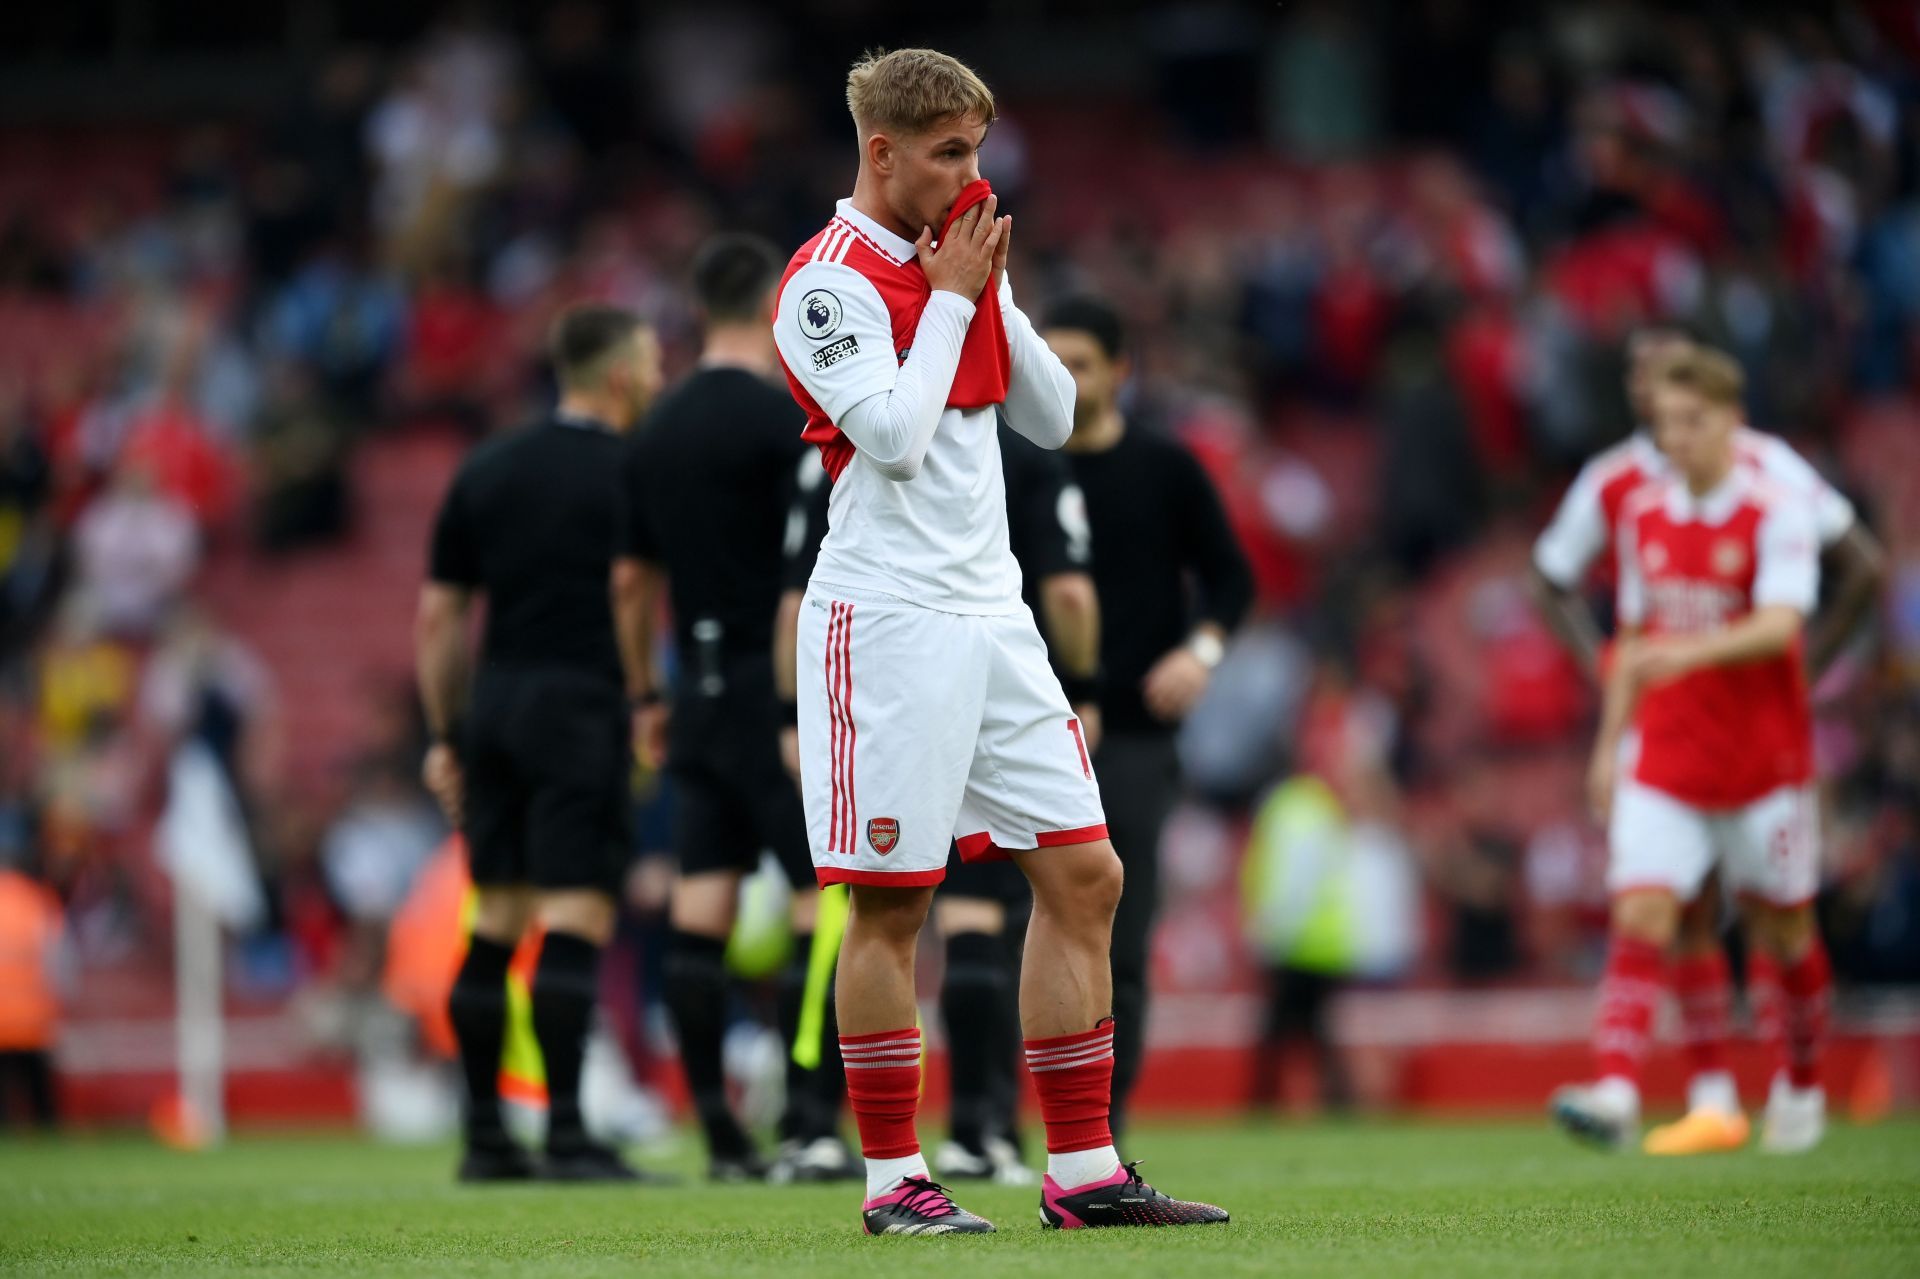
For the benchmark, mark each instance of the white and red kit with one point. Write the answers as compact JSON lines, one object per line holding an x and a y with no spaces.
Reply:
{"x":1723,"y":768}
{"x":927,"y":710}
{"x":1586,"y":524}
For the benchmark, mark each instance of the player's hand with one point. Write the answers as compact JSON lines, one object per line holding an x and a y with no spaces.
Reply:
{"x":441,"y":774}
{"x":651,"y":723}
{"x":1090,"y":726}
{"x":1000,"y":252}
{"x":1174,"y":684}
{"x":966,"y":256}
{"x":1648,"y":662}
{"x":790,"y":751}
{"x":1600,"y":776}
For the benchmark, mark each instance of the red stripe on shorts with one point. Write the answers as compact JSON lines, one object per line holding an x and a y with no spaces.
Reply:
{"x":834,"y":731}
{"x":1086,"y":765}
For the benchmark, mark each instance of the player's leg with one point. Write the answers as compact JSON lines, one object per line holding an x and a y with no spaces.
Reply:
{"x":1703,"y":989}
{"x":889,"y":708}
{"x":1775,"y":872}
{"x":1659,"y":853}
{"x":1032,"y":793}
{"x":880,"y":1042}
{"x":1139,"y":782}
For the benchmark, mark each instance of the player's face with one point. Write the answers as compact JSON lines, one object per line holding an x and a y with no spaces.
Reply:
{"x":1694,"y":432}
{"x":926,"y":172}
{"x":1096,"y":377}
{"x":1645,"y":354}
{"x":637,"y":375}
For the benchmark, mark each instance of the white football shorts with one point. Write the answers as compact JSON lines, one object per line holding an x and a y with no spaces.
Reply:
{"x":1768,"y":849}
{"x":919,"y":728}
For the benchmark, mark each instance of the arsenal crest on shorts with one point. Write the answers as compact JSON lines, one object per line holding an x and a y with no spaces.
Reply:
{"x":882,"y":834}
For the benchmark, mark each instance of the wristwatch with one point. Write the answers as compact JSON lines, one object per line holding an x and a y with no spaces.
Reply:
{"x":1206,"y":647}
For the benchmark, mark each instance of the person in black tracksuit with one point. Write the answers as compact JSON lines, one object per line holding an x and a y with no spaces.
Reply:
{"x":530,"y":757}
{"x":708,"y":480}
{"x":1173,"y":583}
{"x":981,"y":907}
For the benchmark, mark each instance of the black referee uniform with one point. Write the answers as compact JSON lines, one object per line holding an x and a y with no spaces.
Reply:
{"x":708,"y":482}
{"x":1164,"y":561}
{"x":530,"y":522}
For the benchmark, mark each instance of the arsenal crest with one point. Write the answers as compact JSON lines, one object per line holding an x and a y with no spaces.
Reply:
{"x":882,"y":834}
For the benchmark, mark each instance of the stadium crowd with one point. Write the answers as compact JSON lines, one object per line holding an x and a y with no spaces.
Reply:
{"x":1379,"y":276}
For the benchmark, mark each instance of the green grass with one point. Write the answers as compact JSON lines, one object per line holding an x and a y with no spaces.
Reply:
{"x":1413,"y":1202}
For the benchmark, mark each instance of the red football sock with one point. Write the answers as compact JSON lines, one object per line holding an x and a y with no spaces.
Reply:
{"x":1628,"y":993}
{"x":1705,"y":991}
{"x":883,"y":1084}
{"x":1074,"y":1077}
{"x":1806,"y":987}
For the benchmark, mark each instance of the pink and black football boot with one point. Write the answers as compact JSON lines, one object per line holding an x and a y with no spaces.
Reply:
{"x":1121,"y":1200}
{"x":920,"y":1207}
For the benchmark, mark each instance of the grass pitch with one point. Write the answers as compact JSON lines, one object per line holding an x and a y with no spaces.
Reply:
{"x":1411,"y":1202}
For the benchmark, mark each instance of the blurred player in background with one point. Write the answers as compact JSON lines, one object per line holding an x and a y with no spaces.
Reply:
{"x":706,"y":485}
{"x":927,"y":711}
{"x":1719,"y":572}
{"x":1581,"y":540}
{"x":530,"y":754}
{"x":1173,"y":584}
{"x":981,"y":908}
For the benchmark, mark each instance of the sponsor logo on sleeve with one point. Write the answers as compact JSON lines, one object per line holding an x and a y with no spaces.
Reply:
{"x":835,"y":352}
{"x":820,"y":314}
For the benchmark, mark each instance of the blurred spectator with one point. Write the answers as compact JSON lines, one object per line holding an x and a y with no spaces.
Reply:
{"x":135,"y":550}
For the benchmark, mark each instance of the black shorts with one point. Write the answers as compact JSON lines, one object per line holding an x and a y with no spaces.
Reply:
{"x":1000,"y":881}
{"x":732,"y":796}
{"x":548,"y":763}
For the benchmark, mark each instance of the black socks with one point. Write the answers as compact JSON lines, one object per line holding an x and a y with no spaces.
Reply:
{"x":565,"y":987}
{"x":979,"y":1003}
{"x":478,"y":1010}
{"x":697,"y":997}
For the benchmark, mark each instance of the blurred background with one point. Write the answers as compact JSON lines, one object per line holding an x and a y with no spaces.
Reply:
{"x":267,"y":271}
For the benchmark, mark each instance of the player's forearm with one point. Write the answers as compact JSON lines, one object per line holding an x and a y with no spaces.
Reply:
{"x":1071,"y":610}
{"x":894,"y":428}
{"x":1620,"y":692}
{"x":636,"y":593}
{"x":1765,"y":632}
{"x":1571,"y":621}
{"x":440,"y":658}
{"x":1040,"y":391}
{"x":1860,"y":569}
{"x":786,"y":646}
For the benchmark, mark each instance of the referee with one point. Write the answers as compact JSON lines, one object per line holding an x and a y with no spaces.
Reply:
{"x":1173,"y":584}
{"x":536,"y":770}
{"x":707,"y":484}
{"x":981,"y":908}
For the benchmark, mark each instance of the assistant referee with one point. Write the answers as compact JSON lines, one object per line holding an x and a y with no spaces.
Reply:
{"x":530,"y":756}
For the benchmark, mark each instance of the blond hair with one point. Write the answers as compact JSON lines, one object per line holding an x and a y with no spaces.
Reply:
{"x":913,"y":90}
{"x":1713,"y":375}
